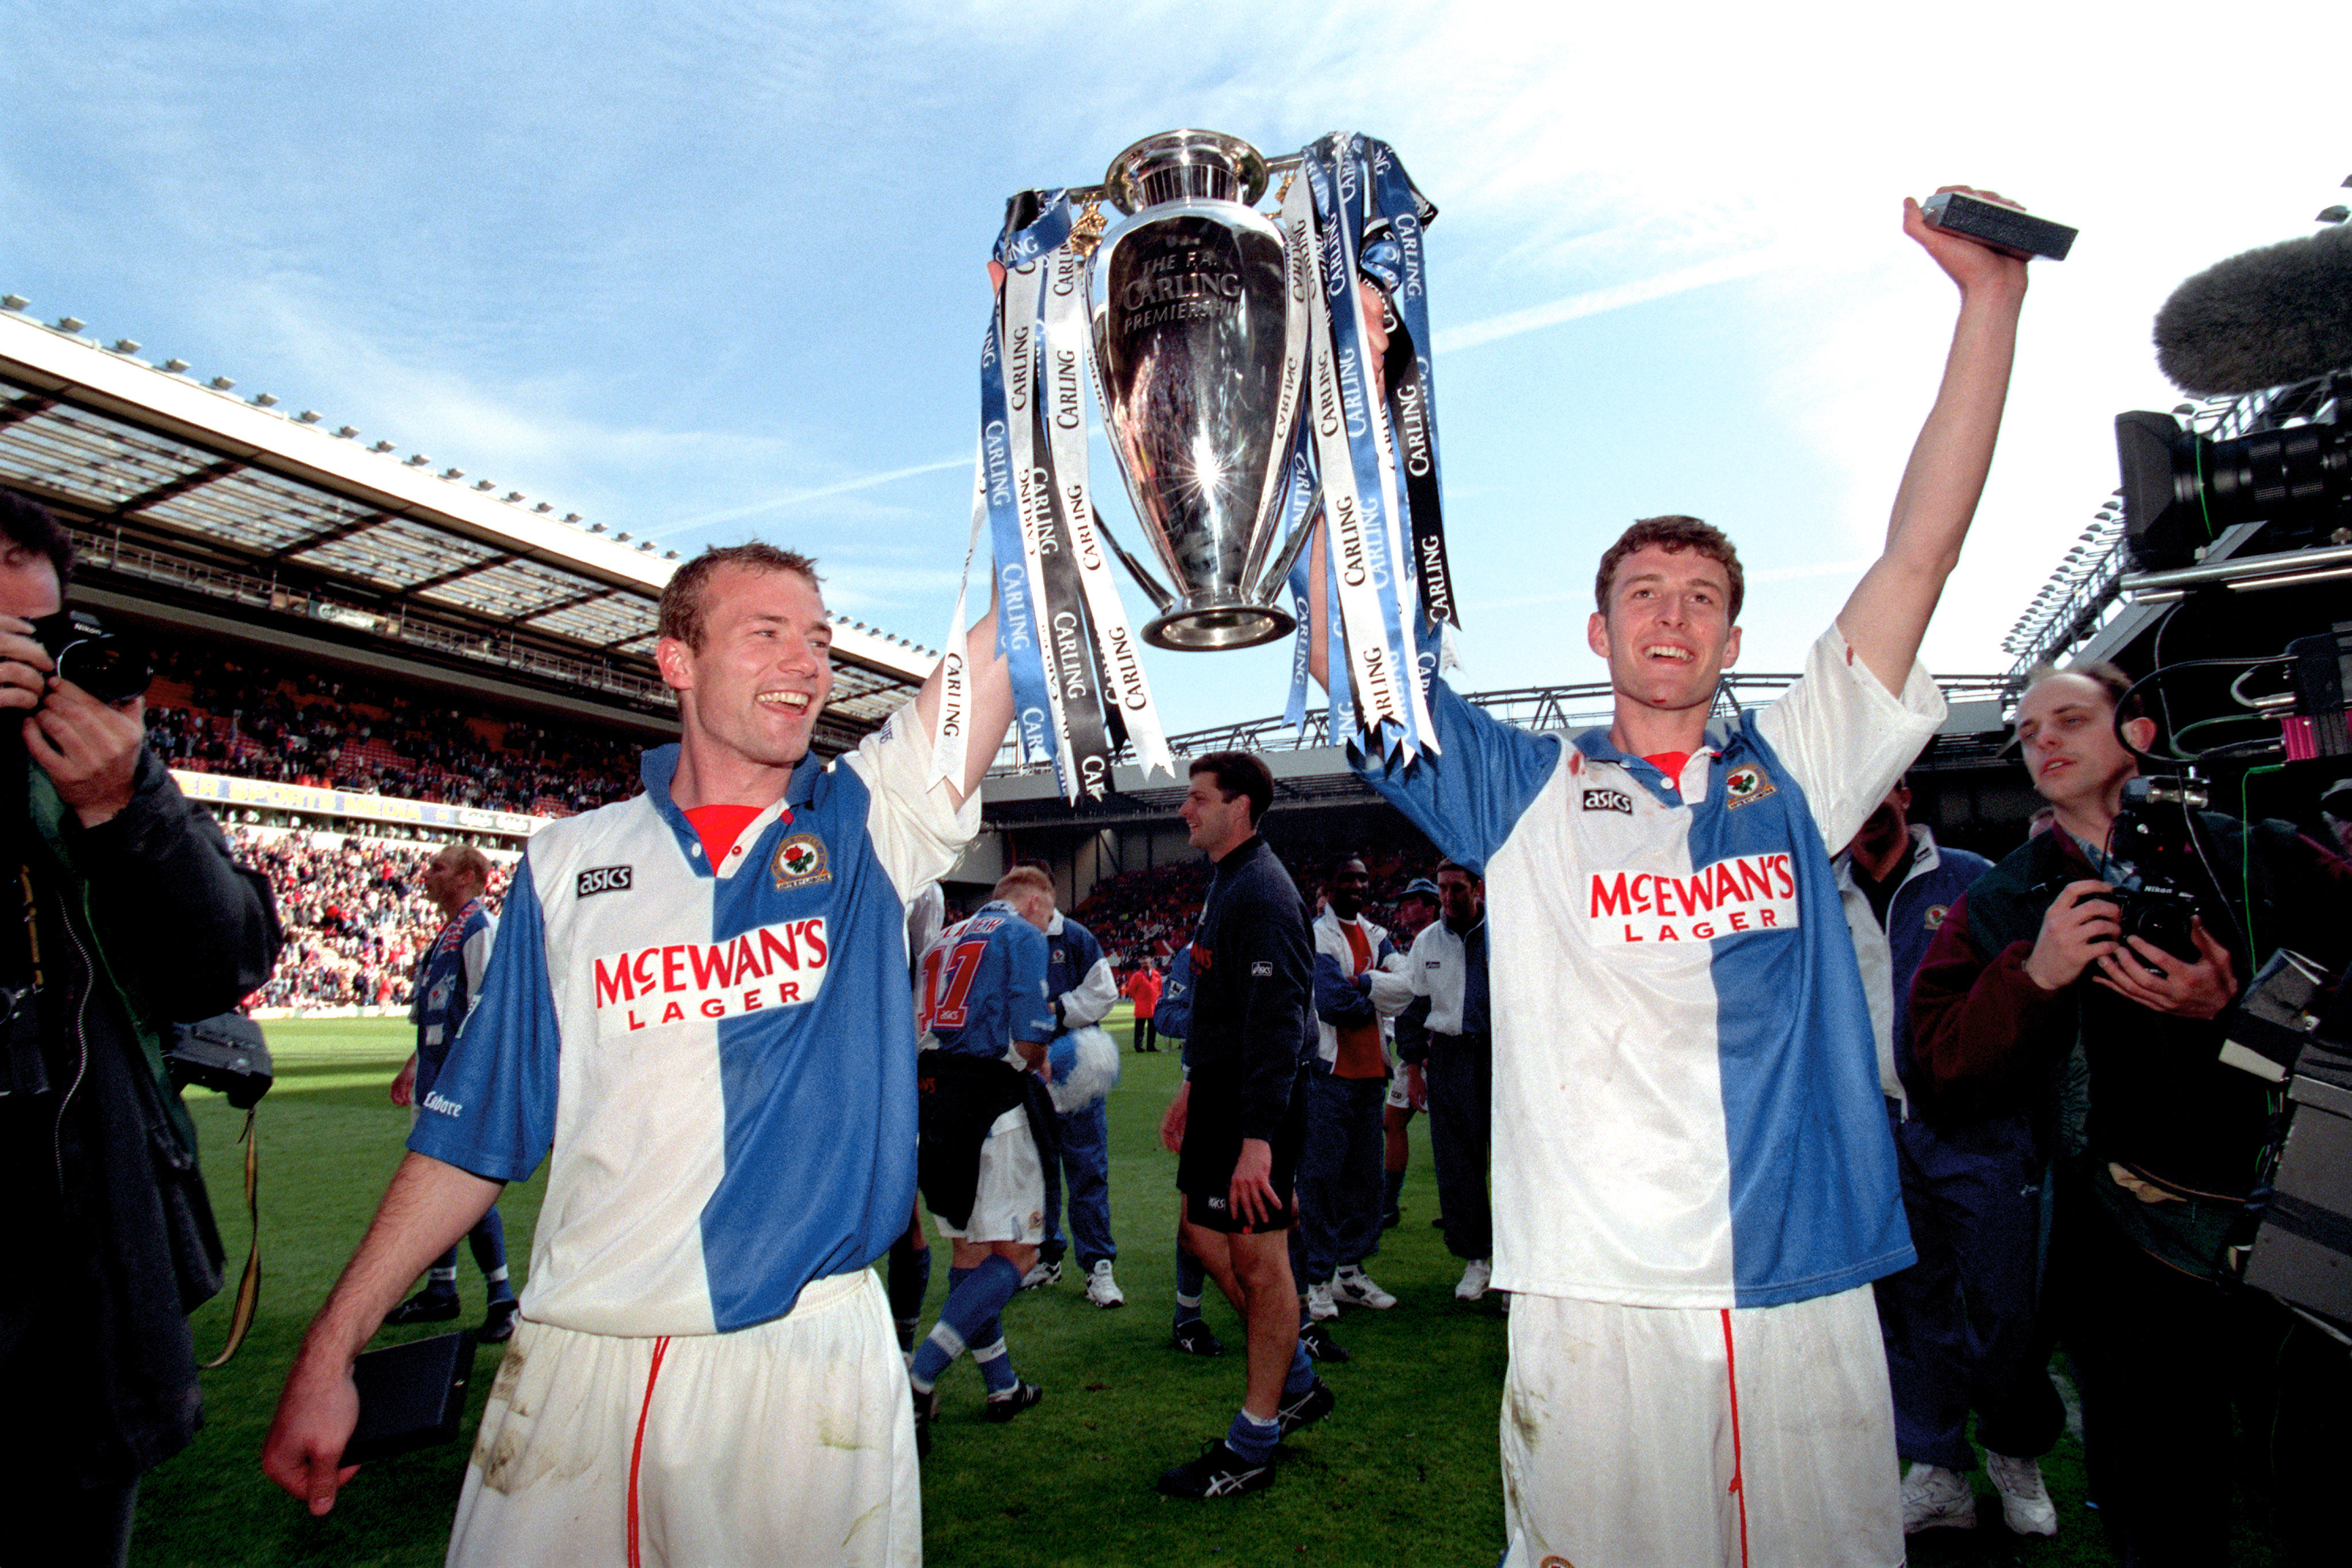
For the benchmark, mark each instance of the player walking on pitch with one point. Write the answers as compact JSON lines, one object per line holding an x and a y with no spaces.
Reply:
{"x":1237,"y":1124}
{"x":985,"y":1008}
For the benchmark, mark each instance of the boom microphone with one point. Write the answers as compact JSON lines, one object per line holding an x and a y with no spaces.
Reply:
{"x":2270,"y":317}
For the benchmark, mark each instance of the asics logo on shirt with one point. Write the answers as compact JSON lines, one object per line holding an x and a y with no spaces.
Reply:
{"x":781,"y":964}
{"x":1609,"y":800}
{"x":605,"y":879}
{"x":1731,"y":897}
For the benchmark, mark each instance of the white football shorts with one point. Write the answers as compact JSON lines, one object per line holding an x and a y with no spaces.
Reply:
{"x":1009,"y":1203}
{"x":1645,"y":1435}
{"x":790,"y":1442}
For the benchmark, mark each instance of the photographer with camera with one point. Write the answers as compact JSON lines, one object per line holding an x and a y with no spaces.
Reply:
{"x":2034,"y":998}
{"x":128,"y":914}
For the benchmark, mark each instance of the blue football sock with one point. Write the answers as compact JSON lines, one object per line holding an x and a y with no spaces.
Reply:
{"x":1302,"y":1373}
{"x":974,"y":1301}
{"x":488,"y":1241}
{"x":996,"y":1367}
{"x":1391,"y":1188}
{"x":1251,"y":1440}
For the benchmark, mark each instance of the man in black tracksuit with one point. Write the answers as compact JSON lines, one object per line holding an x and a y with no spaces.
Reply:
{"x":1239,"y":1121}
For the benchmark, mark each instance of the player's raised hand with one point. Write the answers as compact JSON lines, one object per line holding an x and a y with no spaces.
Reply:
{"x":1964,"y":261}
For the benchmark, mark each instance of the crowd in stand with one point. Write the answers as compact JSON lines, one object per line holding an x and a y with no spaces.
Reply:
{"x":1143,"y":917}
{"x":356,"y":917}
{"x":290,"y":722}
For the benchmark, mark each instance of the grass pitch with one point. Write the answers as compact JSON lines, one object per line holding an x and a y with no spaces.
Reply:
{"x":1404,"y":1471}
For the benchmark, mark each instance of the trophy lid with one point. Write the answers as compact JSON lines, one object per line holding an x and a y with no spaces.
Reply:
{"x":1180,"y":165}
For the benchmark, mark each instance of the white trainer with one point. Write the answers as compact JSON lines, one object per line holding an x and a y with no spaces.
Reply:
{"x":1352,"y":1286}
{"x":1041,"y":1274}
{"x":1475,"y":1280}
{"x":1101,"y":1288}
{"x":1320,"y":1307}
{"x":1936,"y":1499}
{"x":2024,"y":1500}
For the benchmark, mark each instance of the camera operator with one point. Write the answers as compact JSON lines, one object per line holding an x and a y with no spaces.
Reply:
{"x":2028,"y":1000}
{"x":127,"y":914}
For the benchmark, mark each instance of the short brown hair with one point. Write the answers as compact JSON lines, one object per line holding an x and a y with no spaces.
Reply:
{"x":1022,"y":879}
{"x":1238,"y":773}
{"x":685,"y":597}
{"x":2112,"y":679}
{"x":1674,"y":533}
{"x":469,"y":860}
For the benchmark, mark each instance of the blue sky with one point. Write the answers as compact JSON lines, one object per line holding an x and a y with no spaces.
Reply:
{"x":703,"y":271}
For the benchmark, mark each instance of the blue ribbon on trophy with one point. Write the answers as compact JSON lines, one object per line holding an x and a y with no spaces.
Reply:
{"x":1079,"y":690}
{"x":1384,"y":515}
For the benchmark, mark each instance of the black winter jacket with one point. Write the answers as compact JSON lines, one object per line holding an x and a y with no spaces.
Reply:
{"x":1252,"y":977}
{"x":142,"y":921}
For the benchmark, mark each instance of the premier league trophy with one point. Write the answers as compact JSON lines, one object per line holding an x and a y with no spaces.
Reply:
{"x":1194,"y":336}
{"x":1243,"y":392}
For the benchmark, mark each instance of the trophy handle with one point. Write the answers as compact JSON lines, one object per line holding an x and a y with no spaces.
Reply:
{"x":1161,"y":599}
{"x":1278,"y":570}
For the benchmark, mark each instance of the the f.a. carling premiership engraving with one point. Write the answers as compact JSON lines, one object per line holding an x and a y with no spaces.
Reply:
{"x":1231,"y":358}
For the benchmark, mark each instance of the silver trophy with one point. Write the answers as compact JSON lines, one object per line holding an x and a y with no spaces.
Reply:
{"x":1191,"y":331}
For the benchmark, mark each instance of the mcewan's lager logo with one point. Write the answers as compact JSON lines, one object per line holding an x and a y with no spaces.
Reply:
{"x":1745,"y":785}
{"x":800,"y":861}
{"x":1747,"y":893}
{"x":781,"y":964}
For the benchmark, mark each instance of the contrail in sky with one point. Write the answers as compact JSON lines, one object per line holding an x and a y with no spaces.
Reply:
{"x":1724,"y":269}
{"x":775,"y":503}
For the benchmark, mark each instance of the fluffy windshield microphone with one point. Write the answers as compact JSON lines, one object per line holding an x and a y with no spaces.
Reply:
{"x":2270,"y":317}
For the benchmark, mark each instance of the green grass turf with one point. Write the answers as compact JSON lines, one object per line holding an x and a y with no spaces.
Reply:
{"x":1404,"y":1471}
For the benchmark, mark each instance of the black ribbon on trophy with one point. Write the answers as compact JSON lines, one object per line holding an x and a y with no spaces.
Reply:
{"x":1230,"y":359}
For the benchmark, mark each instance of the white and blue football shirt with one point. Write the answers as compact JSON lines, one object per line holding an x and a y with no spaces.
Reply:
{"x":720,"y":1059}
{"x":984,"y":986}
{"x":1686,"y":1100}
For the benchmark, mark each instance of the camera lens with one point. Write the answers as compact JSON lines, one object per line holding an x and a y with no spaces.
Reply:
{"x":107,"y":667}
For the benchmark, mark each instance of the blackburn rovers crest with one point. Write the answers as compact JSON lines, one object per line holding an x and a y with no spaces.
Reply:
{"x":800,"y":861}
{"x":1745,"y":785}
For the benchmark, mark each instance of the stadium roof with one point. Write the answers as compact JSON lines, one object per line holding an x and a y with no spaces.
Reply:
{"x":185,"y":498}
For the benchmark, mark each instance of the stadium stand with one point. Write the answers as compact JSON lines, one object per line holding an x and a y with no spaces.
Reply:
{"x":257,"y":717}
{"x":355,"y":917}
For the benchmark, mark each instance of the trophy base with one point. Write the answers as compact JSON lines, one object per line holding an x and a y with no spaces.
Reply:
{"x":1219,"y":627}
